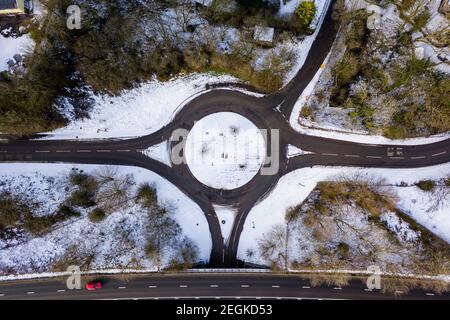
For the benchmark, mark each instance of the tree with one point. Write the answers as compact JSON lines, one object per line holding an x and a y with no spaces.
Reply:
{"x":306,"y":12}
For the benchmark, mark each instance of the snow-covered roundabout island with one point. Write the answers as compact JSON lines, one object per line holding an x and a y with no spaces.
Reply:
{"x":225,"y":150}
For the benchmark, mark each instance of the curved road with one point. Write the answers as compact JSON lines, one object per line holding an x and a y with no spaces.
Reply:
{"x":269,"y":112}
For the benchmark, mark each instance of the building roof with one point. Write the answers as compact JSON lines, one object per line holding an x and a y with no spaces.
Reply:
{"x":8,"y":4}
{"x":264,"y":34}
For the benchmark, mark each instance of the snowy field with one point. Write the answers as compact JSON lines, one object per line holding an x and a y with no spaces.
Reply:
{"x":225,"y":150}
{"x":117,"y":241}
{"x":137,"y":112}
{"x":295,"y":187}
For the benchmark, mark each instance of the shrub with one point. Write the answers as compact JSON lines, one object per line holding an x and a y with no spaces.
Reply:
{"x":82,"y":198}
{"x":65,"y":212}
{"x":97,"y":215}
{"x":146,"y":195}
{"x":447,"y":182}
{"x":426,"y":185}
{"x":38,"y":225}
{"x":306,"y":12}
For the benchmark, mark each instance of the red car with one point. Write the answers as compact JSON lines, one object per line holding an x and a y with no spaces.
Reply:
{"x":94,"y":285}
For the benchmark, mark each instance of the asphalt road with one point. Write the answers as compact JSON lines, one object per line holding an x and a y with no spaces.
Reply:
{"x":202,"y":286}
{"x":270,"y":112}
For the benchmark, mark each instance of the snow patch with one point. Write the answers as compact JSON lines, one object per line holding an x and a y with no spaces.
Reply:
{"x":159,"y":152}
{"x":226,"y":216}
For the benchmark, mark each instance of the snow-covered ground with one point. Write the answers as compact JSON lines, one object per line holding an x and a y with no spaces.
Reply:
{"x":226,"y":216}
{"x":294,"y":188}
{"x":116,"y":241}
{"x":159,"y":152}
{"x":137,"y":112}
{"x":11,"y":46}
{"x":225,"y":150}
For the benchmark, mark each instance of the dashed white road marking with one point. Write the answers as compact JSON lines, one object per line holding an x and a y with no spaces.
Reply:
{"x":275,"y":286}
{"x":439,"y":154}
{"x":429,"y":294}
{"x":152,"y":287}
{"x":374,"y":157}
{"x":368,"y":290}
{"x":122,"y":287}
{"x":352,"y":156}
{"x":306,"y":287}
{"x":84,"y":151}
{"x":214,"y":286}
{"x":337,"y":288}
{"x":416,"y":158}
{"x":30,"y":292}
{"x":245,"y":286}
{"x":62,"y":151}
{"x":330,"y":154}
{"x":61,"y":290}
{"x":103,"y":151}
{"x":3,"y":151}
{"x":42,"y":151}
{"x":123,"y":150}
{"x":183,"y":286}
{"x":397,"y":158}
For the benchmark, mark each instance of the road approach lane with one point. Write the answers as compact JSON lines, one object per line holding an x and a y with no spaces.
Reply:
{"x":270,"y":112}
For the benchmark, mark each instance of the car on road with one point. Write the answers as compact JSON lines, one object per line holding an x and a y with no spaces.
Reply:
{"x":94,"y":285}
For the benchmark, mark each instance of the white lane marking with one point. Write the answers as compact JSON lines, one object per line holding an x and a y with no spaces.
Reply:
{"x":183,"y":286}
{"x":2,"y":294}
{"x":62,"y":151}
{"x":123,"y":150}
{"x":42,"y":151}
{"x":397,"y":158}
{"x":399,"y":292}
{"x":84,"y":151}
{"x":330,"y":154}
{"x":430,"y":294}
{"x":275,"y":286}
{"x":245,"y":286}
{"x":337,"y":288}
{"x":368,"y":290}
{"x":30,"y":292}
{"x":374,"y":157}
{"x":416,"y":158}
{"x":151,"y":287}
{"x":352,"y":156}
{"x":3,"y":151}
{"x":103,"y":151}
{"x":439,"y":154}
{"x":306,"y":287}
{"x":122,"y":287}
{"x":61,"y":290}
{"x":214,"y":286}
